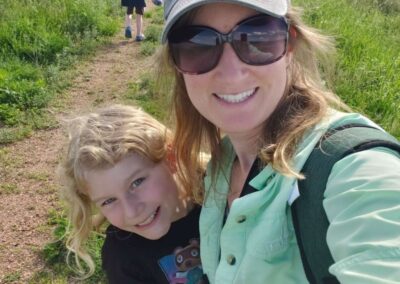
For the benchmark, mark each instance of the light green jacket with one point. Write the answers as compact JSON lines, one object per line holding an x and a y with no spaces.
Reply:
{"x":257,"y":243}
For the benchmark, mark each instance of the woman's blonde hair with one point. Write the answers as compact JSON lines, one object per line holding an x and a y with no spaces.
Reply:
{"x":100,"y":140}
{"x":304,"y":104}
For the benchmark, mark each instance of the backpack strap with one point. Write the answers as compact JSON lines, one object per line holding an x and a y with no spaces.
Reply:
{"x":309,"y":217}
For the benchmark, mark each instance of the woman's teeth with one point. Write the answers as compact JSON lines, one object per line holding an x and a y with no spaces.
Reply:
{"x":148,"y":220}
{"x":236,"y":98}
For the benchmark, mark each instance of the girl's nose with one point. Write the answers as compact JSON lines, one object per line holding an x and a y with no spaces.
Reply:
{"x":132,"y":209}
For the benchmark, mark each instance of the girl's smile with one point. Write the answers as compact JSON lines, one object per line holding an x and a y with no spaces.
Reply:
{"x":150,"y":220}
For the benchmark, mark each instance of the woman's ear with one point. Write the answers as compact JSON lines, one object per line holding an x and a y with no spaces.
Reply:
{"x":291,"y":46}
{"x":170,"y":158}
{"x":292,"y":38}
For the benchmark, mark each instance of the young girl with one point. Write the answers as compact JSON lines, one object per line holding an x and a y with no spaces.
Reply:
{"x":119,"y":162}
{"x":248,"y":69}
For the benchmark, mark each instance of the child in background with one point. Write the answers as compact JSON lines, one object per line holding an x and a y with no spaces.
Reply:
{"x":139,"y":10}
{"x":120,"y":161}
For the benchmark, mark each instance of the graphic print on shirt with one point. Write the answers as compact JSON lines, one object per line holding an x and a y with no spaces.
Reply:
{"x":183,"y":266}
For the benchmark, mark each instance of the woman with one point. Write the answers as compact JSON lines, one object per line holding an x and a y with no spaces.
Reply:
{"x":247,"y":87}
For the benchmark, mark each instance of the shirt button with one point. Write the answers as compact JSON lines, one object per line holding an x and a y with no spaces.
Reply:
{"x":231,"y":259}
{"x":270,"y":177}
{"x":240,"y":218}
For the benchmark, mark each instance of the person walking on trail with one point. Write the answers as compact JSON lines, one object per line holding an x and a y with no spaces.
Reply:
{"x":120,"y":165}
{"x":138,"y":6}
{"x":246,"y":84}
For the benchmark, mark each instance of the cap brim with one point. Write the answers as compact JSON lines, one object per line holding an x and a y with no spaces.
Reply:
{"x":272,"y":7}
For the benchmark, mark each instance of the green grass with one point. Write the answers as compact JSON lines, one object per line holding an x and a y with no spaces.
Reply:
{"x":12,"y":277}
{"x":38,"y":176}
{"x":54,"y":254}
{"x":38,"y":41}
{"x":150,"y":45}
{"x":9,"y":188}
{"x":153,"y":32}
{"x":142,"y":93}
{"x":367,"y":74}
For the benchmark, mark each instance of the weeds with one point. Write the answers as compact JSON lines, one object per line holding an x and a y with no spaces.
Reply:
{"x":13,"y":277}
{"x":142,"y":93}
{"x":38,"y":40}
{"x":368,"y":54}
{"x":9,"y":188}
{"x":55,"y":254}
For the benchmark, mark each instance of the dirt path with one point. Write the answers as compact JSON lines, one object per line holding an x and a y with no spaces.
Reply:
{"x":30,"y":164}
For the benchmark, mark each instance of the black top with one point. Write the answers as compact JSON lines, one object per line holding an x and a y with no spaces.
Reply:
{"x":254,"y":171}
{"x":174,"y":258}
{"x":133,"y":3}
{"x":247,"y":188}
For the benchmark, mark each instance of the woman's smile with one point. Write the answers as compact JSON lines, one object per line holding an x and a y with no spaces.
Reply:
{"x":236,"y":97}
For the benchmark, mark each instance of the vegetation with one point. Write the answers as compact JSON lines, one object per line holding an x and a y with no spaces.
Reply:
{"x":153,"y":32}
{"x":143,"y":91}
{"x":38,"y":40}
{"x":367,"y":74}
{"x":55,"y":254}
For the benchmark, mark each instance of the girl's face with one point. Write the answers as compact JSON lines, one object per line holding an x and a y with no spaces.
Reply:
{"x":137,"y":195}
{"x":236,"y":97}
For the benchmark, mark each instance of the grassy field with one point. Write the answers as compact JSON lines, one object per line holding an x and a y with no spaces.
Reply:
{"x":39,"y":39}
{"x":367,"y":74}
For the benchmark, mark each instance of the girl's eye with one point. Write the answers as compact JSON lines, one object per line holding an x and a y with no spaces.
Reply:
{"x":137,"y":182}
{"x":107,"y":202}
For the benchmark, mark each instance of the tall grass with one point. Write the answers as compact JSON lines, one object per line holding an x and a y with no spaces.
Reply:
{"x":38,"y":39}
{"x":368,"y":40}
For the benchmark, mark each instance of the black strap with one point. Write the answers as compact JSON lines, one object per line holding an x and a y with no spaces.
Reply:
{"x":309,"y":217}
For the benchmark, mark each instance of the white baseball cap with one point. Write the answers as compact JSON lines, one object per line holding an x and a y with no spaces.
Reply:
{"x":174,"y":9}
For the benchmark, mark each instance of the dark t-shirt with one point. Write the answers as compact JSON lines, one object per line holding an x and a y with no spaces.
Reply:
{"x":133,"y":3}
{"x":174,"y":258}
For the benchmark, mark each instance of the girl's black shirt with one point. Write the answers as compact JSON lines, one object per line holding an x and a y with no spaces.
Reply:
{"x":174,"y":258}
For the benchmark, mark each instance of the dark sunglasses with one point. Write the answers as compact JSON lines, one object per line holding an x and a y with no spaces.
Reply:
{"x":258,"y":40}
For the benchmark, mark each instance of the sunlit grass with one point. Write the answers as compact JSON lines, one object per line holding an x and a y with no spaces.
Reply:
{"x":39,"y":40}
{"x":368,"y":41}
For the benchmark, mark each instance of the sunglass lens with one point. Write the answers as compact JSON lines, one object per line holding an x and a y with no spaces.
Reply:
{"x":195,"y":50}
{"x":261,"y":40}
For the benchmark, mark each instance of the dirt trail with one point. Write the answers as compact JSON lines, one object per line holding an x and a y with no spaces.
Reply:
{"x":30,"y":164}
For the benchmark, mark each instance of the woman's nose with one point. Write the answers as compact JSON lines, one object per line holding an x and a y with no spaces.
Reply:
{"x":229,"y":64}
